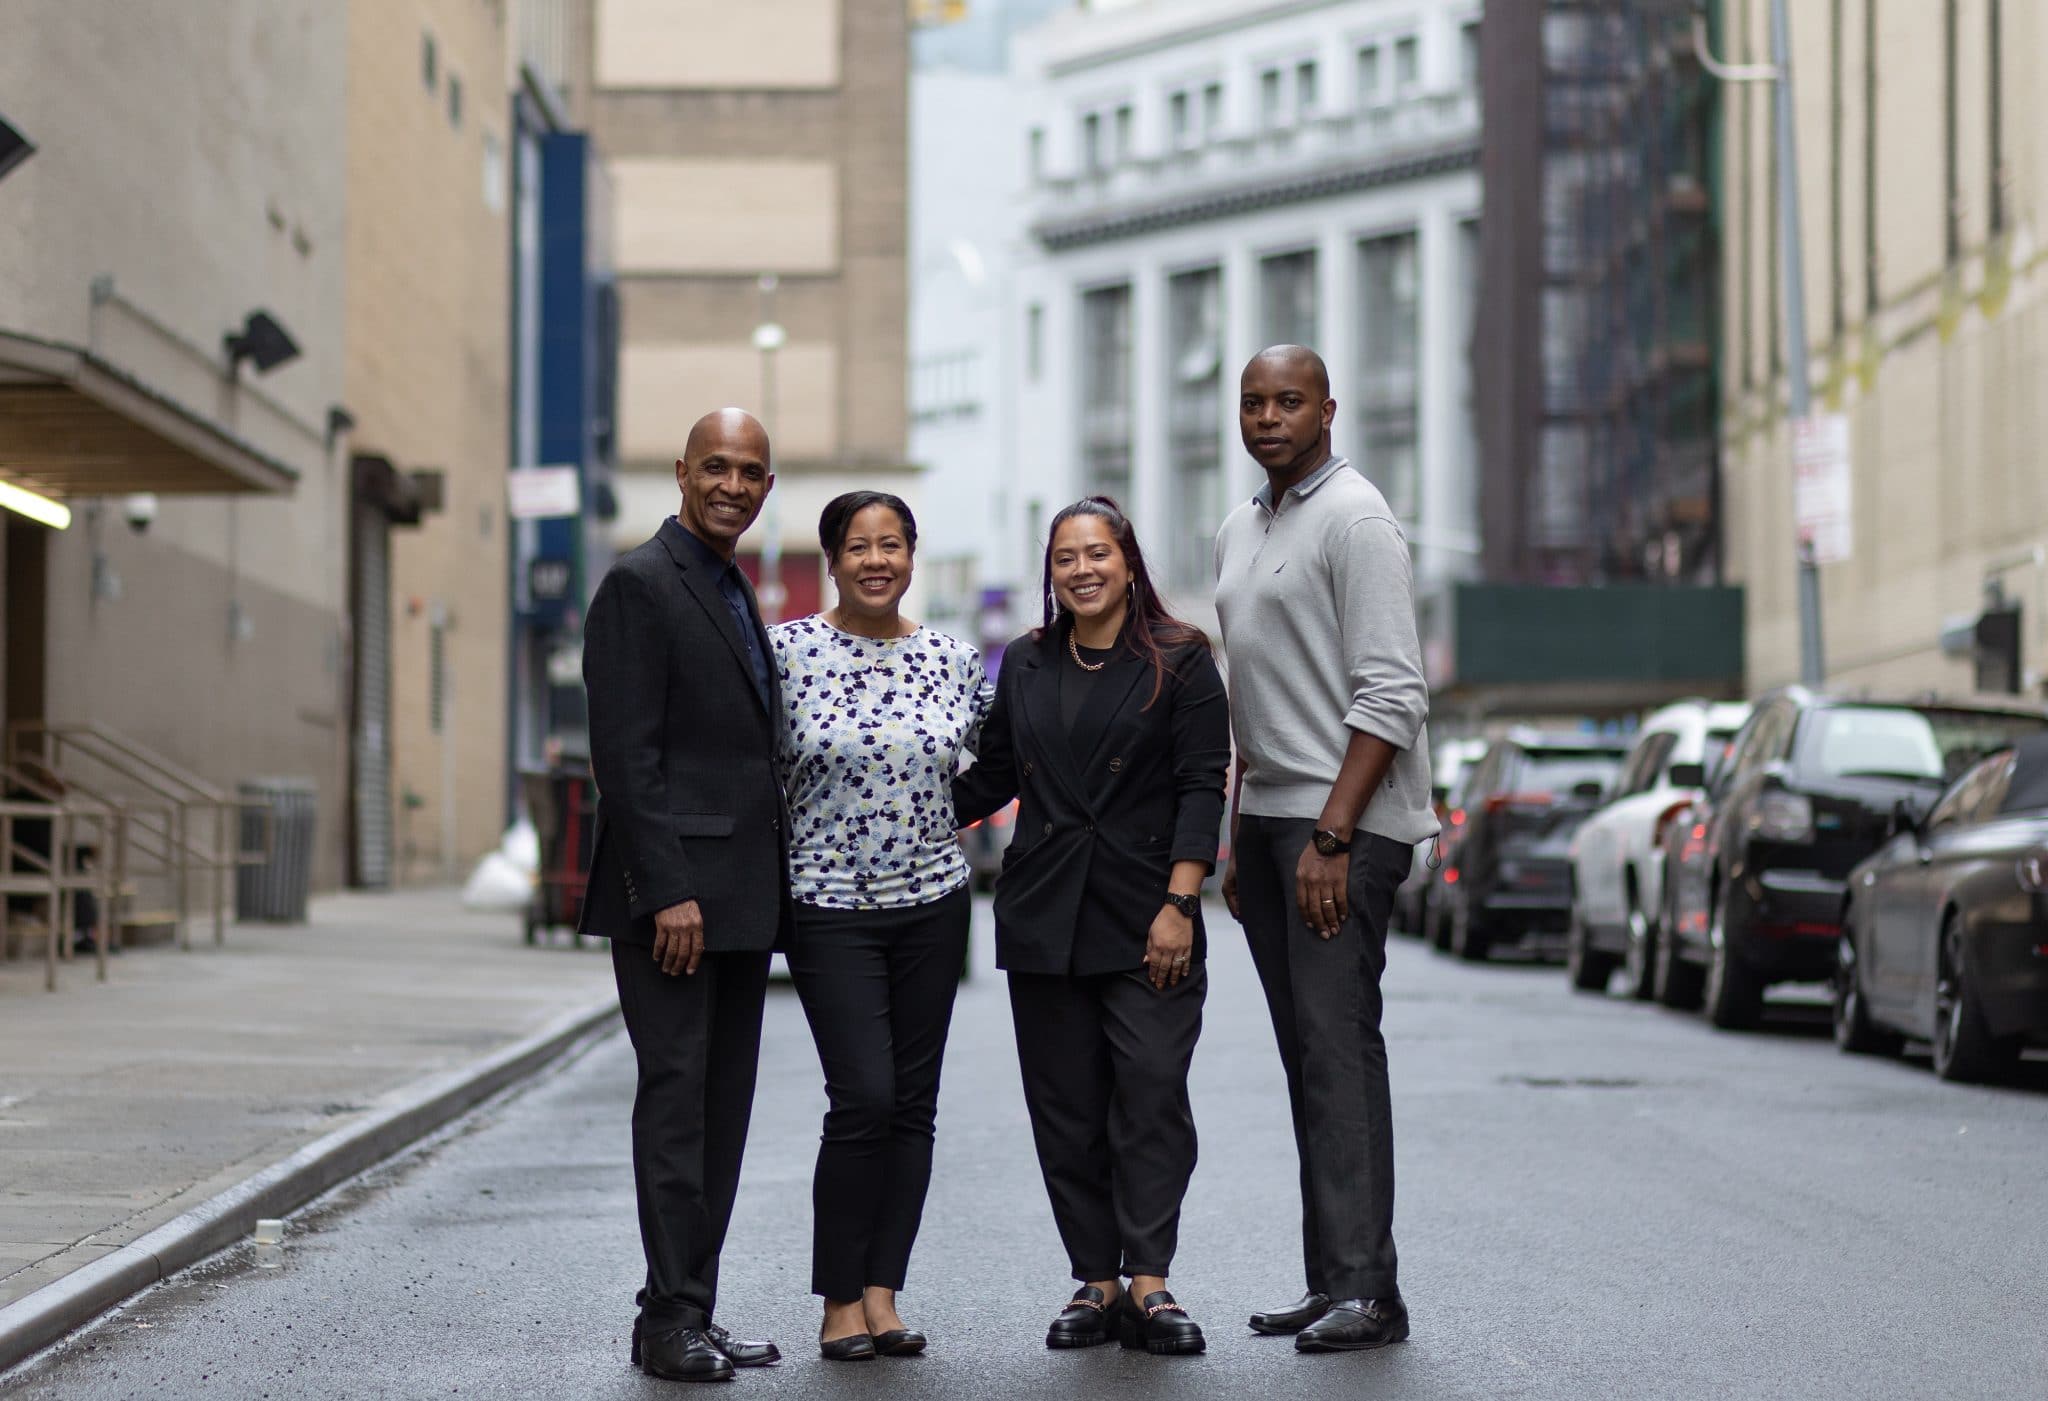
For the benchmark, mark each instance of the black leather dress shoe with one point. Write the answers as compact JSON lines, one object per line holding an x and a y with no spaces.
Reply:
{"x":680,"y":1355}
{"x":1084,"y":1322}
{"x":1159,"y":1326}
{"x":855,"y":1347}
{"x":743,"y":1352}
{"x":1352,"y":1325}
{"x":900,"y":1342}
{"x":1294,"y":1317}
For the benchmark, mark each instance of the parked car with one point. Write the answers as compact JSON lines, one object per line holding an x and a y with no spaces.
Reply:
{"x":1509,"y":876}
{"x":1810,"y":790}
{"x":1945,"y":930}
{"x":1618,"y":856}
{"x":1448,"y":766}
{"x":985,"y":841}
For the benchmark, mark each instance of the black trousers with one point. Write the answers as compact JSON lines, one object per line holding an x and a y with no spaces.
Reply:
{"x":698,"y":1040}
{"x":1324,"y":997}
{"x":1105,"y":1061}
{"x":878,"y":988}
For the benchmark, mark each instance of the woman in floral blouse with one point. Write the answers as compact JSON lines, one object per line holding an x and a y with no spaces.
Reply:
{"x":876,"y":713}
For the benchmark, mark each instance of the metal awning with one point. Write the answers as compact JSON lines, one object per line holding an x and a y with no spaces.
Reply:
{"x":71,"y":424}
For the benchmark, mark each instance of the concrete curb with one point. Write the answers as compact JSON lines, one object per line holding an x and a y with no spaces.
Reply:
{"x":30,"y":1324}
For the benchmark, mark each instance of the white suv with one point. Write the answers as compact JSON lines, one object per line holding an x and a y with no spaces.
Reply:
{"x":1617,"y":856}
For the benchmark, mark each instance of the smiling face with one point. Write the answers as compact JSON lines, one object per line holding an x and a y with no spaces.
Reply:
{"x":1284,"y":411}
{"x":1090,"y":576}
{"x":724,"y":478}
{"x":873,"y":566}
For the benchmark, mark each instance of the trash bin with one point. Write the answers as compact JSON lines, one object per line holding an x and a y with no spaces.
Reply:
{"x":274,"y":889}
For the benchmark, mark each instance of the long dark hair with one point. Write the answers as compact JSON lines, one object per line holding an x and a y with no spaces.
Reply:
{"x":1150,"y":631}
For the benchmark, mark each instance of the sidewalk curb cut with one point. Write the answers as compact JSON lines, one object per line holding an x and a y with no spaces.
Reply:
{"x":409,"y":1114}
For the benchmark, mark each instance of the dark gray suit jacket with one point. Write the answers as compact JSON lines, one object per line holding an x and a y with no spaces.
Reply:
{"x":683,"y":751}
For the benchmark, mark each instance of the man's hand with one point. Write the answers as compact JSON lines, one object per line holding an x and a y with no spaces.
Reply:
{"x":1230,"y":887}
{"x":1320,"y":889}
{"x":1169,"y":947}
{"x":679,"y":938}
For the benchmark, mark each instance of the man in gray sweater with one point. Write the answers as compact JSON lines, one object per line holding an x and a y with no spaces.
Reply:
{"x":1328,"y":703}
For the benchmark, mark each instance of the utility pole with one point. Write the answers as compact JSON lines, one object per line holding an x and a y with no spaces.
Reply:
{"x":1812,"y":658}
{"x":768,"y":338}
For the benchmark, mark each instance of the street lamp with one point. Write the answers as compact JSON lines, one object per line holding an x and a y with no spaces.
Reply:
{"x":1812,"y":663}
{"x":769,"y":337}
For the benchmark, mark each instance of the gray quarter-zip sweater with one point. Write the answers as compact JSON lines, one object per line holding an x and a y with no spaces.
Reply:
{"x":1317,"y":603}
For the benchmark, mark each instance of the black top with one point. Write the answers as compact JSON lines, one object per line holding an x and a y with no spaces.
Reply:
{"x":1077,"y":684}
{"x":732,"y":587}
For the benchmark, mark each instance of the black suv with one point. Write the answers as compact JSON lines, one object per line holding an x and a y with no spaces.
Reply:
{"x":1814,"y":784}
{"x":1509,"y":874}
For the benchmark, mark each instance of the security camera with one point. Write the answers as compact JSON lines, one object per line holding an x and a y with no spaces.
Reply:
{"x":139,"y":510}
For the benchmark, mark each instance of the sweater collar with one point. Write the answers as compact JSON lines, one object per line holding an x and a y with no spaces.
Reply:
{"x":1304,"y":488}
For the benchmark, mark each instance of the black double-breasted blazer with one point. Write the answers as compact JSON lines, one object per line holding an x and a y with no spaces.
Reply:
{"x":682,"y":745}
{"x":1104,"y":811}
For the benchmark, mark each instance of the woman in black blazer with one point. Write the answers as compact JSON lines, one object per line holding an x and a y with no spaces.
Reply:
{"x":1110,"y":725}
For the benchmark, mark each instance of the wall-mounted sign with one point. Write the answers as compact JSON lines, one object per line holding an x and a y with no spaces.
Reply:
{"x":1823,"y":486}
{"x":548,"y":580}
{"x":541,"y":493}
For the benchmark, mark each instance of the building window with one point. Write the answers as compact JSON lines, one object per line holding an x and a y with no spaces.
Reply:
{"x":1305,"y":94}
{"x":1368,"y":75}
{"x":1212,"y":109}
{"x":1034,"y":342}
{"x":1091,"y":143}
{"x":1194,"y":394}
{"x":1034,"y":153}
{"x":1178,"y":120}
{"x":1389,"y":330}
{"x":1106,"y":392}
{"x":430,"y":63}
{"x":1407,"y":64}
{"x":1287,"y":290}
{"x":1122,"y":152}
{"x":454,"y":101}
{"x":1269,"y":98}
{"x":946,"y":386}
{"x":1468,"y":55}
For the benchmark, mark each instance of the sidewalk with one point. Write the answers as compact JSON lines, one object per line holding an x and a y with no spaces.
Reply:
{"x":125,"y":1104}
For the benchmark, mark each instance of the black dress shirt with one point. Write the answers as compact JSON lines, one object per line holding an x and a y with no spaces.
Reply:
{"x":733,"y":589}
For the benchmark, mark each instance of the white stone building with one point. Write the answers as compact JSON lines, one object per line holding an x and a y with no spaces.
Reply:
{"x":1203,"y":178}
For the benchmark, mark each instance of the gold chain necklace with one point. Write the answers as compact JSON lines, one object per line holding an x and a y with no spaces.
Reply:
{"x":1074,"y":648}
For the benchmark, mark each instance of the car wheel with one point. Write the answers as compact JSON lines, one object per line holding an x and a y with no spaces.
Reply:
{"x":1589,"y":968}
{"x":1964,"y":1048}
{"x":1734,"y":995}
{"x":1638,"y":959}
{"x":1469,"y":939}
{"x":1677,"y":982}
{"x":1855,"y":1032}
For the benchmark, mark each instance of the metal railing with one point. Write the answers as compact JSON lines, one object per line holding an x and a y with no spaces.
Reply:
{"x":166,"y":821}
{"x":89,"y":853}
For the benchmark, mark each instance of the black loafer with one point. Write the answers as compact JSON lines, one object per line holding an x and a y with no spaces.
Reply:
{"x":900,"y":1342}
{"x":679,"y":1354}
{"x":1294,"y":1317}
{"x":1353,"y":1325}
{"x":1159,"y":1326}
{"x":1084,"y":1322}
{"x":743,"y":1352}
{"x":855,"y":1347}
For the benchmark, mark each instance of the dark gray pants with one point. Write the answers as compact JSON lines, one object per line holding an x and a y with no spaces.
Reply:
{"x":1105,"y":1061}
{"x":1324,"y":997}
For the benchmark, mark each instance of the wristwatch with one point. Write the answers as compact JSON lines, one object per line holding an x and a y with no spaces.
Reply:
{"x":1329,"y":843}
{"x":1189,"y":905}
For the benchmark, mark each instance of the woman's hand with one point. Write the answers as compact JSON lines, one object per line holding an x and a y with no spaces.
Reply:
{"x":1169,"y":947}
{"x":1230,"y":888}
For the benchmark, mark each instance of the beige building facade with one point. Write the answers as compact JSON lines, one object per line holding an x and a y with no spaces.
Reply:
{"x":751,"y":143}
{"x":427,"y":312}
{"x":187,"y":176}
{"x":1923,"y":156}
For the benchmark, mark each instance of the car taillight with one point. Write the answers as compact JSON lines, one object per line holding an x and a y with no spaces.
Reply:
{"x":2034,"y":871}
{"x":1665,"y":821}
{"x":1457,"y":817}
{"x":1450,"y":875}
{"x":1500,"y":802}
{"x":1005,"y":817}
{"x":1783,"y":817}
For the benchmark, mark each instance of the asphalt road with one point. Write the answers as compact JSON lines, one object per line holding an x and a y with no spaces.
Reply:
{"x":1596,"y":1199}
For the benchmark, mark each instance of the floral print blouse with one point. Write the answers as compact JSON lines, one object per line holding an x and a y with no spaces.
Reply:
{"x":872,"y":734}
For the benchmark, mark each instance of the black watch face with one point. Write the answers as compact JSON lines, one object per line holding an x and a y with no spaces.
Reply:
{"x":1328,"y":844}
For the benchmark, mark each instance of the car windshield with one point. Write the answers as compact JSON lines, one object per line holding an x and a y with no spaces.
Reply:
{"x":1930,"y":743}
{"x":1561,"y":770}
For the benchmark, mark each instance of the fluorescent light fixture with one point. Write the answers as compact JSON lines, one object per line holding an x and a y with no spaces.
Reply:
{"x":40,"y":509}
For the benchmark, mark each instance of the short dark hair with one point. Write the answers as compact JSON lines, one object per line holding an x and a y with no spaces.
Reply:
{"x":839,"y":512}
